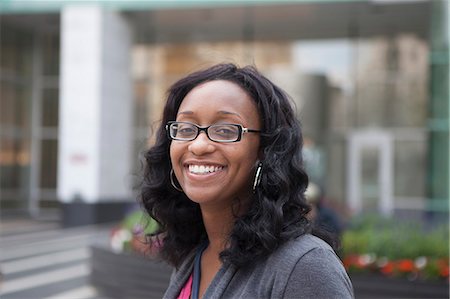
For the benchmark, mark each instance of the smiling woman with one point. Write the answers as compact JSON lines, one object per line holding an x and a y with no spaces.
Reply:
{"x":225,"y":181}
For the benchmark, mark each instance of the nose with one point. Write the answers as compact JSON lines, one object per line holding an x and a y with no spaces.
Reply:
{"x":201,"y":145}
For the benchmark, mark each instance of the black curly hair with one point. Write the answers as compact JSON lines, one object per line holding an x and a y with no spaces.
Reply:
{"x":277,"y":211}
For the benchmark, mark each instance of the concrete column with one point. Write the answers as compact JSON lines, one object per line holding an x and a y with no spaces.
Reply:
{"x":313,"y":113}
{"x":95,"y":133}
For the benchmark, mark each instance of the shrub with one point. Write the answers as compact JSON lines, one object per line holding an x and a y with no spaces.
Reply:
{"x":391,"y":247}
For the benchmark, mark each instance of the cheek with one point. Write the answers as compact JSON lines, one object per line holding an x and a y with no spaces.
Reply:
{"x":253,"y":152}
{"x":174,"y":153}
{"x":248,"y":158}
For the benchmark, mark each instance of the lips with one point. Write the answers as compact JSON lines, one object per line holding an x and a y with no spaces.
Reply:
{"x":203,"y":169}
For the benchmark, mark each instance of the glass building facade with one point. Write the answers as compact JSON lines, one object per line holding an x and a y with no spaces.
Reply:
{"x":29,"y":117}
{"x":370,"y":89}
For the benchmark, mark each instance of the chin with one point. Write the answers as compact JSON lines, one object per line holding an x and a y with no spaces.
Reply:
{"x":199,"y":198}
{"x":194,"y":197}
{"x":202,"y":197}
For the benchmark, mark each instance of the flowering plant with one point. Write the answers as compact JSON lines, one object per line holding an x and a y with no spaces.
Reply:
{"x":130,"y":234}
{"x":419,"y":268}
{"x":394,"y":249}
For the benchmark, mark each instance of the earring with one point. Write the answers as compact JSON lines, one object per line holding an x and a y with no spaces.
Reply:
{"x":172,"y":181}
{"x":257,"y":176}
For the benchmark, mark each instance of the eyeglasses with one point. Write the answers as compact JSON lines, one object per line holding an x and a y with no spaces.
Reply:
{"x":185,"y":131}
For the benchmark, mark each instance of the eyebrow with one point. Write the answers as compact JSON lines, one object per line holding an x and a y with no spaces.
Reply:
{"x":228,"y":112}
{"x":219,"y":112}
{"x":185,"y":112}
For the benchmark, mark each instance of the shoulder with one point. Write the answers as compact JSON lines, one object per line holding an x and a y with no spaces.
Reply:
{"x":316,"y":272}
{"x":309,"y":241}
{"x":295,"y":249}
{"x":310,"y":269}
{"x":297,"y":269}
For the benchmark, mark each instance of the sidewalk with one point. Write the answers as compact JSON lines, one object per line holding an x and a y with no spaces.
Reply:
{"x":40,"y":259}
{"x":22,"y":225}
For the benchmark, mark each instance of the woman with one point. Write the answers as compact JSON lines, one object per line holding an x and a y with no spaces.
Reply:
{"x":226,"y":183}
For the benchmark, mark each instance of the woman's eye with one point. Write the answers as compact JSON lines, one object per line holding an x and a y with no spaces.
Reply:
{"x":185,"y":131}
{"x":225,"y":131}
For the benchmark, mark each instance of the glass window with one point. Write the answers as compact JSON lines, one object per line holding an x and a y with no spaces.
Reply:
{"x":370,"y":185}
{"x":410,"y":163}
{"x":9,"y":168}
{"x":49,"y":158}
{"x":16,"y":50}
{"x":14,"y":106}
{"x":50,"y":54}
{"x":50,"y":106}
{"x":15,"y":77}
{"x":391,"y":81}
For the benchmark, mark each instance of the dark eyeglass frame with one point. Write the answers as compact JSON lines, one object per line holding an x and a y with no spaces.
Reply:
{"x":241,"y":130}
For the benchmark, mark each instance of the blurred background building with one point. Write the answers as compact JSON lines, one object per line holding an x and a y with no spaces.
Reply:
{"x":83,"y":84}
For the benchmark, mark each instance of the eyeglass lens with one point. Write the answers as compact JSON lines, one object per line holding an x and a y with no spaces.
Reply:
{"x":186,"y":131}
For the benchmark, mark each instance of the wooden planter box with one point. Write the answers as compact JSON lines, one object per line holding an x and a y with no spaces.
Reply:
{"x":377,"y":286}
{"x":125,"y":275}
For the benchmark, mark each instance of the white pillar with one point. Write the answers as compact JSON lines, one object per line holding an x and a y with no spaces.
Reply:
{"x":95,"y":132}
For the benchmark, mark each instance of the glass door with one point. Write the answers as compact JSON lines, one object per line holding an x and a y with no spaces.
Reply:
{"x":369,"y":179}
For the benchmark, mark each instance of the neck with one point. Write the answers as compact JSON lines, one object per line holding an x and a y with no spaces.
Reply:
{"x":218,"y":225}
{"x":219,"y":221}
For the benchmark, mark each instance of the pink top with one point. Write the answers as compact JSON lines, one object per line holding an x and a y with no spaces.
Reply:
{"x":186,"y":290}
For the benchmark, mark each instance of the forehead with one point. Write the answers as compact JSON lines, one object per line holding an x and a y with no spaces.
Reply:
{"x":219,"y":96}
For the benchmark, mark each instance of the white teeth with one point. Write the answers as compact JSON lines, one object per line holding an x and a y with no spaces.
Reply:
{"x":202,"y":169}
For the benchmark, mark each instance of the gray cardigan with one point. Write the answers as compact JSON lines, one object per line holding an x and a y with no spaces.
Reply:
{"x":306,"y":267}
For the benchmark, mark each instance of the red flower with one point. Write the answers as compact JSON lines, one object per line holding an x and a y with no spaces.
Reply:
{"x":388,"y":268}
{"x":443,"y":267}
{"x":405,"y":266}
{"x":349,"y":261}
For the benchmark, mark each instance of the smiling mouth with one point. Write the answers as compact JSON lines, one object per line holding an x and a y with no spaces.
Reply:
{"x":204,"y":169}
